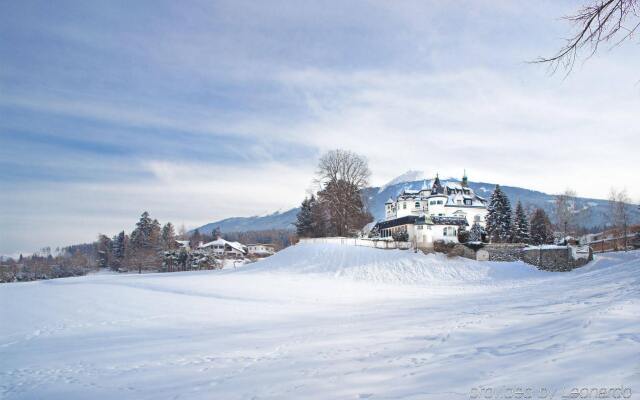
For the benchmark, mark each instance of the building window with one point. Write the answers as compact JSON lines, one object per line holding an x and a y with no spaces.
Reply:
{"x":404,"y":205}
{"x":449,"y":231}
{"x":459,"y":201}
{"x":417,"y":204}
{"x":440,"y":202}
{"x":467,"y":202}
{"x":419,"y":227}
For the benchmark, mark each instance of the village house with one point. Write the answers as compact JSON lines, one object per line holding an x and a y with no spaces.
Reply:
{"x":224,"y":248}
{"x":437,"y":211}
{"x":261,"y":250}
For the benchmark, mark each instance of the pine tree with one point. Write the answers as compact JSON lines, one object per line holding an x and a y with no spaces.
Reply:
{"x":499,"y":217}
{"x":541,"y":228}
{"x":521,"y":232}
{"x":168,"y":237}
{"x":475,"y":234}
{"x":304,"y":222}
{"x":104,"y":251}
{"x":145,"y":243}
{"x":118,"y":250}
{"x":195,"y":239}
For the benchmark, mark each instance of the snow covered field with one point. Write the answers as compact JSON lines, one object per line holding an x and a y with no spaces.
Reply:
{"x":325,"y":322}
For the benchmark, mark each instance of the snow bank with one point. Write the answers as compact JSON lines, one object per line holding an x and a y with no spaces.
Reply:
{"x":389,"y":266}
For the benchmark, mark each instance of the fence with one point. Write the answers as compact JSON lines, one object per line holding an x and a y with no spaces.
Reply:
{"x":615,"y":243}
{"x":378,"y":244}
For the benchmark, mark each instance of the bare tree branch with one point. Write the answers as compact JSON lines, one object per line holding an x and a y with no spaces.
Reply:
{"x":599,"y":22}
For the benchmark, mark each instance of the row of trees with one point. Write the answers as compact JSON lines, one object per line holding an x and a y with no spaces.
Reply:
{"x":69,"y":261}
{"x":337,"y":208}
{"x":152,"y":247}
{"x":143,"y":249}
{"x":505,"y":226}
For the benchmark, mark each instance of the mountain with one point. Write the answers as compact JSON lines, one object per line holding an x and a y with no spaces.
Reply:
{"x":409,"y":176}
{"x":277,"y":220}
{"x":593,"y":212}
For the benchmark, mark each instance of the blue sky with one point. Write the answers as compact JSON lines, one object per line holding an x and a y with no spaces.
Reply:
{"x":197,"y":111}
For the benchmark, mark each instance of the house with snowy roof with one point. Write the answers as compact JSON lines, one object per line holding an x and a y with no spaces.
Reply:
{"x":261,"y":249}
{"x":224,"y":248}
{"x":436,"y":211}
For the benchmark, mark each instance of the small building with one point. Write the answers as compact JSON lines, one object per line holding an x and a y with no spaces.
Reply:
{"x":184,"y":244}
{"x":224,"y":248}
{"x":261,"y":250}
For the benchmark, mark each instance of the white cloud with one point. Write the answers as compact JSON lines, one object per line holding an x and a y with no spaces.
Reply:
{"x":183,"y":193}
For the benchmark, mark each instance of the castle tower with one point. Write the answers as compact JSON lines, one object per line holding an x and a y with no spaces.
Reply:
{"x":465,"y":181}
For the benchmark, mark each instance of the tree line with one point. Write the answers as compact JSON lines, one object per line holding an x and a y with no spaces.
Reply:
{"x":152,"y":247}
{"x":505,"y":226}
{"x":64,"y":262}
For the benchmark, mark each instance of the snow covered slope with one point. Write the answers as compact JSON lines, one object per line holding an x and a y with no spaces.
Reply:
{"x":392,"y":266}
{"x":324,"y":322}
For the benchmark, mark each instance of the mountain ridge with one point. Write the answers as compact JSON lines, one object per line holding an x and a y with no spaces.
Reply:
{"x":592,"y":211}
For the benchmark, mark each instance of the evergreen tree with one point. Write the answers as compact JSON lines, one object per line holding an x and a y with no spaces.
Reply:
{"x":104,"y":251}
{"x":304,"y":222}
{"x":145,"y":243}
{"x":118,"y":250}
{"x":195,"y":239}
{"x":541,"y":228}
{"x":475,"y":234}
{"x":499,"y":217}
{"x":521,"y":232}
{"x":168,"y":237}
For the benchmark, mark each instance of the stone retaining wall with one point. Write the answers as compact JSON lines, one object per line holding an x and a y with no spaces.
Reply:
{"x":504,"y":251}
{"x":548,"y":258}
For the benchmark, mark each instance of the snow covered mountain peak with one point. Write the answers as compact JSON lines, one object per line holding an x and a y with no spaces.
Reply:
{"x":409,"y":176}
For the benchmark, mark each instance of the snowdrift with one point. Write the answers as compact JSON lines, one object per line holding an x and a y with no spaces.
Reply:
{"x":390,"y":266}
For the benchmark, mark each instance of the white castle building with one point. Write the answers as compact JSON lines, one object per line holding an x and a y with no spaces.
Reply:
{"x":435,"y":212}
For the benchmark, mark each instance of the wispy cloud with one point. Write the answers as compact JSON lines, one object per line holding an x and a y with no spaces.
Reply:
{"x":204,"y":110}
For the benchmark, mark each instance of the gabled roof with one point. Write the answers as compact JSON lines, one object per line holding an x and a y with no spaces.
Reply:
{"x":221,"y":242}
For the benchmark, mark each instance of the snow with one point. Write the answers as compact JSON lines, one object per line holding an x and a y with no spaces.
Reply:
{"x":409,"y":176}
{"x":320,"y":321}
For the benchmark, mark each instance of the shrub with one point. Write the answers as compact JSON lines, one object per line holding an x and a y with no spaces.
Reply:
{"x":440,"y":246}
{"x":401,"y":235}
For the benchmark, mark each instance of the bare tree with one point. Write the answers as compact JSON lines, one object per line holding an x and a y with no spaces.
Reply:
{"x":620,"y":213}
{"x":343,"y":165}
{"x":565,"y":211}
{"x":341,"y":175}
{"x":598,"y":22}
